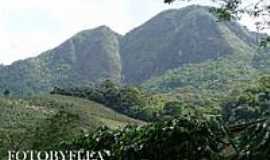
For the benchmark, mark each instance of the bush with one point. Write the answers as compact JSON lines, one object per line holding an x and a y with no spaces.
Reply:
{"x":175,"y":139}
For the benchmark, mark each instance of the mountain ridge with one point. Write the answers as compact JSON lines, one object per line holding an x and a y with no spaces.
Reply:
{"x":169,"y":40}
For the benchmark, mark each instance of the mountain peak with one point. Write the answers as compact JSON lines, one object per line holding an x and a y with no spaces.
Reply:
{"x":100,"y":29}
{"x":173,"y":13}
{"x":173,"y":39}
{"x":103,"y":27}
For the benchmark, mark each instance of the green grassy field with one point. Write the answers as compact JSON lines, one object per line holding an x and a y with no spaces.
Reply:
{"x":38,"y":122}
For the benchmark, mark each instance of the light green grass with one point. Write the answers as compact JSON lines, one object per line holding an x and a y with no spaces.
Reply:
{"x":20,"y":117}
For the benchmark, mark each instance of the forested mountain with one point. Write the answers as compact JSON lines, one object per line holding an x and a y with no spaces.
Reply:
{"x":178,"y":37}
{"x":173,"y":39}
{"x":89,"y":56}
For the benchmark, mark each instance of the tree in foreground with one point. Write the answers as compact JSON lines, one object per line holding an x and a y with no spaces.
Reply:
{"x":6,"y":93}
{"x":180,"y":138}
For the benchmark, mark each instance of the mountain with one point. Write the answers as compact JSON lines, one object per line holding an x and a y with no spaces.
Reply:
{"x":89,"y":56}
{"x":170,"y":41}
{"x":177,"y":37}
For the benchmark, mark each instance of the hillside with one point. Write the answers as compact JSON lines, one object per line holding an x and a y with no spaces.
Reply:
{"x":213,"y":79}
{"x":212,"y":73}
{"x":36,"y":121}
{"x":219,"y":77}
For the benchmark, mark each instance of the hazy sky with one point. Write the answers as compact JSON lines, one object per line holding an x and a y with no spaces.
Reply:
{"x":29,"y":27}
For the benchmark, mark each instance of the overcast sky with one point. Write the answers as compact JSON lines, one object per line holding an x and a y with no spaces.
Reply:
{"x":29,"y":27}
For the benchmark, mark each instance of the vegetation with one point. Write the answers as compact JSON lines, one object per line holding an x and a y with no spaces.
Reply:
{"x":251,"y":105}
{"x":39,"y":122}
{"x":132,"y":101}
{"x":175,"y":139}
{"x":239,"y":130}
{"x":213,"y":105}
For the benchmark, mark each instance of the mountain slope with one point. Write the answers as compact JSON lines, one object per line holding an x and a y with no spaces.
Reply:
{"x":89,"y":56}
{"x":177,"y":37}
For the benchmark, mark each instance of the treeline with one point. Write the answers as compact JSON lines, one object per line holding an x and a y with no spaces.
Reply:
{"x":248,"y":105}
{"x":132,"y":101}
{"x":135,"y":102}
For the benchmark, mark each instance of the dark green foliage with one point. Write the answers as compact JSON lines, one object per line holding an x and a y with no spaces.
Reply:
{"x":265,"y":43}
{"x":132,"y":101}
{"x":173,"y":109}
{"x":175,"y":139}
{"x":222,"y":13}
{"x":251,"y":105}
{"x":6,"y":93}
{"x":255,"y":142}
